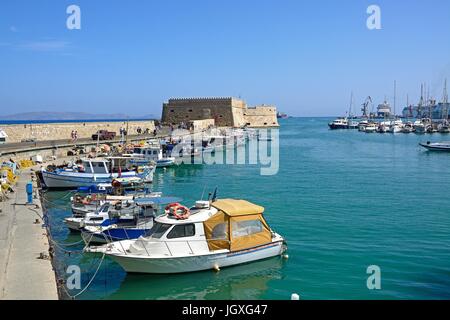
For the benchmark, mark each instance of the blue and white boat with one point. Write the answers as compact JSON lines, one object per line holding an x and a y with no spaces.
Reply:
{"x":92,"y":171}
{"x":146,"y":210}
{"x":153,"y":153}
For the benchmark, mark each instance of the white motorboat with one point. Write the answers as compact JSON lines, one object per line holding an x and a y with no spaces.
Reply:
{"x":90,"y":172}
{"x":444,"y":127}
{"x":153,"y":152}
{"x":370,"y":127}
{"x":422,"y":126}
{"x":408,"y":127}
{"x":362,"y":125}
{"x":339,"y":123}
{"x":145,"y":211}
{"x":208,"y":236}
{"x":436,"y":146}
{"x":396,"y":126}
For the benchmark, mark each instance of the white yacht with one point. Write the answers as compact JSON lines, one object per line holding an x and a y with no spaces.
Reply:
{"x":422,"y":126}
{"x":210,"y":235}
{"x":370,"y":127}
{"x":396,"y":126}
{"x":339,"y":123}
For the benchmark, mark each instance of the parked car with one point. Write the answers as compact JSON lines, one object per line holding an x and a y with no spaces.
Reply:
{"x":104,"y":135}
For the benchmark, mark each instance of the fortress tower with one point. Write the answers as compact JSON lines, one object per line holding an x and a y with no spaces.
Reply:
{"x":226,"y":112}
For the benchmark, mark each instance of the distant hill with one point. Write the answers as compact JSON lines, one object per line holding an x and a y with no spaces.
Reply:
{"x":45,"y":115}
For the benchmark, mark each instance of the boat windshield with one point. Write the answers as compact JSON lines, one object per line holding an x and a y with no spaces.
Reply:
{"x":158,"y":230}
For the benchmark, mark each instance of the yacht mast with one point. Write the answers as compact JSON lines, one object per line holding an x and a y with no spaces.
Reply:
{"x":351,"y":104}
{"x":445,"y":101}
{"x":395,"y":94}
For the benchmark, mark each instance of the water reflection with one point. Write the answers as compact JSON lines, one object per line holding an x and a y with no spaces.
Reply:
{"x":248,"y":281}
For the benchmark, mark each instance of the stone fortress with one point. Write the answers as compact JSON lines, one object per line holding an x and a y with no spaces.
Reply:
{"x":223,"y":112}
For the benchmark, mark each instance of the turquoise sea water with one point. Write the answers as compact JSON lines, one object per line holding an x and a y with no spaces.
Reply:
{"x":344,"y":200}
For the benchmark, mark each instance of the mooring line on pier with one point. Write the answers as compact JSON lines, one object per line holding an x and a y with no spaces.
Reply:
{"x":88,"y":284}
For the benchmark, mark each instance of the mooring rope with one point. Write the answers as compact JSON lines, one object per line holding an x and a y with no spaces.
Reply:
{"x":88,"y":284}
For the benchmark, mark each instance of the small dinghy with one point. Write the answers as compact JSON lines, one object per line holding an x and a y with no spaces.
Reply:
{"x":146,"y":210}
{"x":437,"y":146}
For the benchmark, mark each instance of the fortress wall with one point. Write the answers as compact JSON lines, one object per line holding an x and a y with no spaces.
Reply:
{"x":183,"y":110}
{"x":56,"y":131}
{"x":261,"y":116}
{"x":226,"y":112}
{"x":200,"y":125}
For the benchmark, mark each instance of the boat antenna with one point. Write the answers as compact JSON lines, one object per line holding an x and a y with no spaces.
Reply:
{"x":351,"y":104}
{"x":445,"y":99}
{"x":203,"y":192}
{"x":395,"y":94}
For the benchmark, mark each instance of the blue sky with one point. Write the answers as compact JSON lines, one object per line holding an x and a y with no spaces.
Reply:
{"x":305,"y":57}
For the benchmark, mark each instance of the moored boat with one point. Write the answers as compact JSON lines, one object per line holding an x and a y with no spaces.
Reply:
{"x":436,"y":146}
{"x":90,"y":172}
{"x":212,"y":235}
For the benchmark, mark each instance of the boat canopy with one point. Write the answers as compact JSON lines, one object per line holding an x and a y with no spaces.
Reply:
{"x":238,"y":225}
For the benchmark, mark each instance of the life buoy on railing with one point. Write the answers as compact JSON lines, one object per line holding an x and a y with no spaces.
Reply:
{"x":167,"y":208}
{"x":173,"y":209}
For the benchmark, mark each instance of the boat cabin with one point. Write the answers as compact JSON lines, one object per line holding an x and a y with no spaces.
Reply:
{"x":226,"y":225}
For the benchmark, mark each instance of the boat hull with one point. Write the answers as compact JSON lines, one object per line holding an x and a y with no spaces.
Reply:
{"x":110,"y":235}
{"x":60,"y":180}
{"x":165,"y":265}
{"x":444,"y":148}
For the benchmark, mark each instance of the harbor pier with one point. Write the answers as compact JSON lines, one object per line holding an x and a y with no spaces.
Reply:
{"x":26,"y":271}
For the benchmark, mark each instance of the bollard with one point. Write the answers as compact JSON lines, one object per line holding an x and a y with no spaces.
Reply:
{"x":29,"y":192}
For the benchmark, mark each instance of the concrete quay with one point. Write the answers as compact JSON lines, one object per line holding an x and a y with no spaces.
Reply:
{"x":26,"y":271}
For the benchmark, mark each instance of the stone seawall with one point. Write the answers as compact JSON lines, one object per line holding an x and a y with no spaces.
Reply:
{"x":55,"y":131}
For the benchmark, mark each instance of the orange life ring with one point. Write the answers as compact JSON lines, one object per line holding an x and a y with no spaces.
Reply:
{"x":184,"y":215}
{"x":167,"y":208}
{"x":173,"y":209}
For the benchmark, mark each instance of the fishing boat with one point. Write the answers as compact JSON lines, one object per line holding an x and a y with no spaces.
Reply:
{"x":92,"y":171}
{"x":211,"y":235}
{"x":145,"y":211}
{"x":370,"y":127}
{"x":422,"y":125}
{"x":362,"y":125}
{"x":436,"y":146}
{"x":83,"y":204}
{"x":154,"y":153}
{"x":339,"y":123}
{"x":408,"y":127}
{"x":444,"y":127}
{"x":119,"y":212}
{"x":396,"y":126}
